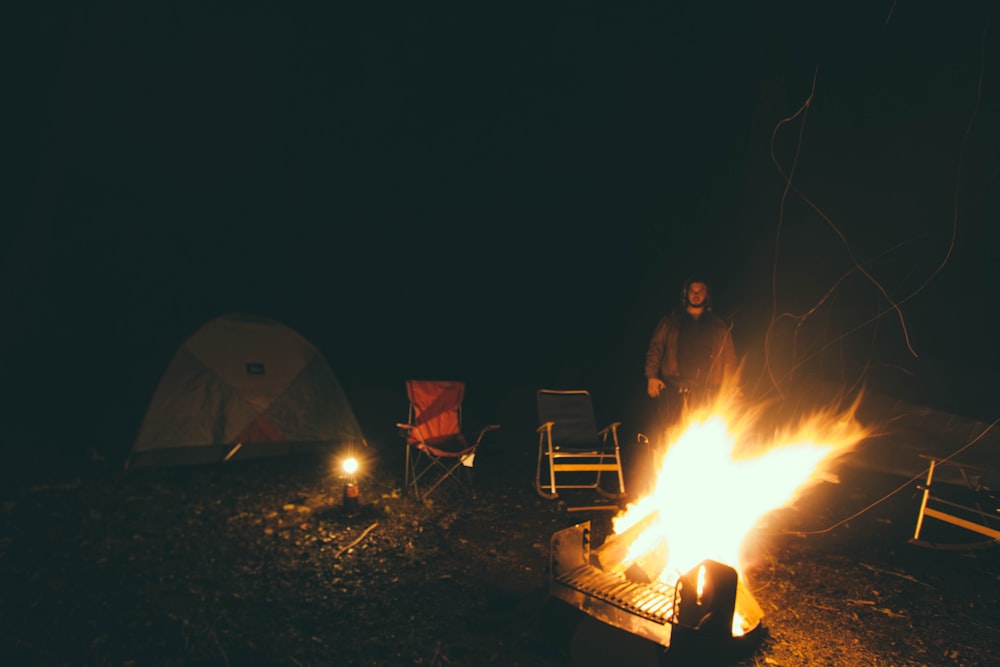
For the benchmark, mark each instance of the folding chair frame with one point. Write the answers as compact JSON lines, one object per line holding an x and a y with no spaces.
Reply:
{"x":973,"y":519}
{"x":598,"y":460}
{"x":423,"y":457}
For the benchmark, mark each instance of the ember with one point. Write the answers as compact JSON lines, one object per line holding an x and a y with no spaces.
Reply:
{"x":674,"y":557}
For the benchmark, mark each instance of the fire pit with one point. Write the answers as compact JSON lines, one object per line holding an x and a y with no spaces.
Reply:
{"x":668,"y":570}
{"x":710,"y":599}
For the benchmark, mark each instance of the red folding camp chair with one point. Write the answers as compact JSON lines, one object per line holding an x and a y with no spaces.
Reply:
{"x":436,"y":448}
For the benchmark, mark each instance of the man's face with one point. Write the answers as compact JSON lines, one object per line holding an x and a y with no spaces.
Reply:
{"x":696,"y":295}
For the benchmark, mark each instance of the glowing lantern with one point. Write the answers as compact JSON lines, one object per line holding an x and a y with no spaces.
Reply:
{"x":352,"y":497}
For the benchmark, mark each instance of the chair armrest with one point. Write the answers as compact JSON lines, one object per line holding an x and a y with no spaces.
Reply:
{"x":965,"y":466}
{"x":547,"y":426}
{"x":484,"y":431}
{"x":408,"y":430}
{"x":613,"y":426}
{"x":487,"y":429}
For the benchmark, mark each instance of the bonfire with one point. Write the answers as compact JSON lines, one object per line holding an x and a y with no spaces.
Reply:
{"x":720,"y":471}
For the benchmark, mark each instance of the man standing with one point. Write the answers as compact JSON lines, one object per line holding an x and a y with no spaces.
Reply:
{"x":690,"y":353}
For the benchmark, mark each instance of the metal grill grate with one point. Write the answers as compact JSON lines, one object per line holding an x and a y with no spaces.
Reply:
{"x":653,"y":601}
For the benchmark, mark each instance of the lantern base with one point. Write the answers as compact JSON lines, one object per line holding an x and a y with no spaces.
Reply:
{"x":352,"y":498}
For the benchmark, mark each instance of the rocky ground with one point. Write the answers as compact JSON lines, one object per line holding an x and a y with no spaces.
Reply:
{"x":260,"y":563}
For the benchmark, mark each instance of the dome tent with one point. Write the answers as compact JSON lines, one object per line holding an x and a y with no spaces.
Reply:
{"x":243,"y":387}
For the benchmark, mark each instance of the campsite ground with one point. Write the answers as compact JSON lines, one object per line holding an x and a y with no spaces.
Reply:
{"x":251,"y":564}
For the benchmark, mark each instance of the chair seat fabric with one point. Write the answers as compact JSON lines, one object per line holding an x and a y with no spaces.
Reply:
{"x":450,"y":446}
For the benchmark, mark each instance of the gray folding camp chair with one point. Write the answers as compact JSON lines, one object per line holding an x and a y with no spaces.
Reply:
{"x":572,"y":452}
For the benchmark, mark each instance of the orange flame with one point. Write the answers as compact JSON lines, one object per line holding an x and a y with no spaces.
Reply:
{"x":718,"y":477}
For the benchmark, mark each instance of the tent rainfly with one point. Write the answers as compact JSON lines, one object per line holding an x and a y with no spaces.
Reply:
{"x":243,"y":387}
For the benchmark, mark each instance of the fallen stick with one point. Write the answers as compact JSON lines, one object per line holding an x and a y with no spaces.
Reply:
{"x":896,"y":574}
{"x":355,"y":542}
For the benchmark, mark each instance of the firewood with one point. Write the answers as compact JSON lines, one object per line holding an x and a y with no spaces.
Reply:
{"x":611,"y":555}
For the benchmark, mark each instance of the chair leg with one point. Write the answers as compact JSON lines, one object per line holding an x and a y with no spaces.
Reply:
{"x":406,"y":469}
{"x":410,"y":471}
{"x":470,"y":474}
{"x":620,"y":493}
{"x":452,"y":472}
{"x":621,"y":479}
{"x":621,"y":473}
{"x":551,"y":493}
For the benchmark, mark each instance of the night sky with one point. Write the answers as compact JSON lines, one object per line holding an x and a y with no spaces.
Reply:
{"x":507,"y":193}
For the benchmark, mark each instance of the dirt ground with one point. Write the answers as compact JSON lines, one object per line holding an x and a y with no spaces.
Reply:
{"x":260,"y":563}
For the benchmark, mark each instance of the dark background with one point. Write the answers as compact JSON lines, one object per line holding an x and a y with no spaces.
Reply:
{"x":506,"y":193}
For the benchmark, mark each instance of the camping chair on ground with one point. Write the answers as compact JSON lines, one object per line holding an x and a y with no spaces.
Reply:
{"x":436,"y":448}
{"x":577,"y":454}
{"x":964,"y":504}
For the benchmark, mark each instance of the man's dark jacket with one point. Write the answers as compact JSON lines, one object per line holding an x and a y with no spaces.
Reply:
{"x":661,"y":357}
